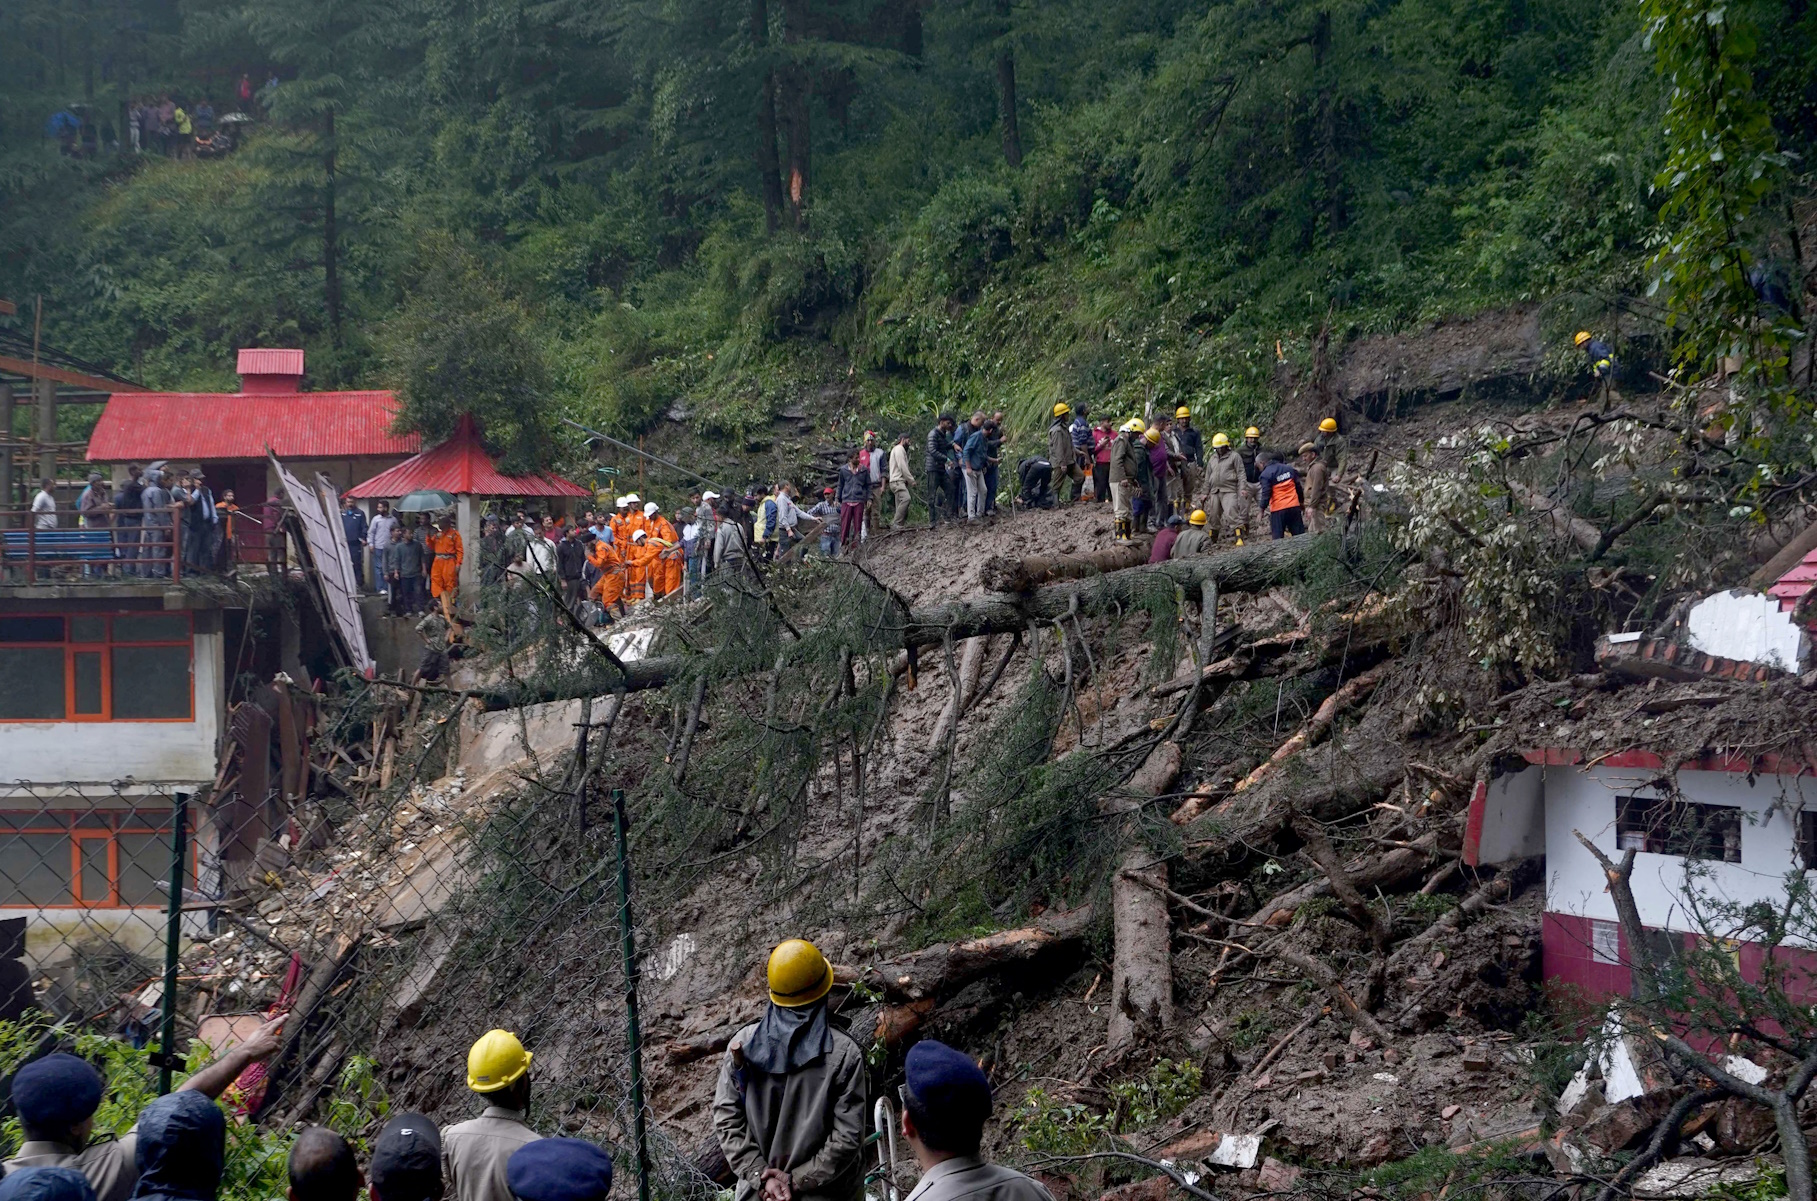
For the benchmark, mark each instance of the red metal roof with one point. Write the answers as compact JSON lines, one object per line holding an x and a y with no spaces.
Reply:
{"x":271,"y":362}
{"x":212,"y":426}
{"x":460,"y":465}
{"x":1791,"y":587}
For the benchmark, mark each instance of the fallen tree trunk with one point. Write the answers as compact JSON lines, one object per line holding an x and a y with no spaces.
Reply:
{"x":1567,"y":523}
{"x":971,"y":670}
{"x":1229,"y":831}
{"x":945,"y":968}
{"x":1385,"y":871}
{"x":1001,"y":573}
{"x":1141,"y":982}
{"x":1250,"y":568}
{"x":1317,"y":724}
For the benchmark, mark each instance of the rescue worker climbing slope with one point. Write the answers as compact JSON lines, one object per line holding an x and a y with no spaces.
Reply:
{"x":475,"y":1152}
{"x":789,"y":1108}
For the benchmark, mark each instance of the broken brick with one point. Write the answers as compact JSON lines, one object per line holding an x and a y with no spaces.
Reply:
{"x":1476,"y":1060}
{"x":1391,"y":1056}
{"x":1614,"y":1127}
{"x":1194,"y":1146}
{"x":1331,"y":1059}
{"x":1449,"y":1112}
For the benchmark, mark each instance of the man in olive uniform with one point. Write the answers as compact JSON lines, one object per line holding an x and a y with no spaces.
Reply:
{"x":1224,"y":488}
{"x":1128,"y":464}
{"x":476,"y":1152}
{"x":947,"y":1100}
{"x":1061,"y":454}
{"x":1193,"y":540}
{"x":1317,"y":478}
{"x":789,"y":1108}
{"x":1247,"y":451}
{"x":1332,"y":446}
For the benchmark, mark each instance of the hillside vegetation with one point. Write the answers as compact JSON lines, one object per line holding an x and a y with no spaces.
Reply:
{"x":607,"y":208}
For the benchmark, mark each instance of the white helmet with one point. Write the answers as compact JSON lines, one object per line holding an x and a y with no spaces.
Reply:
{"x":650,"y":509}
{"x":636,"y":534}
{"x":622,"y":502}
{"x":633,"y":499}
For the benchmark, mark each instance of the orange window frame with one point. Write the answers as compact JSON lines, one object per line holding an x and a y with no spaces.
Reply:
{"x":127,"y":821}
{"x":104,"y":649}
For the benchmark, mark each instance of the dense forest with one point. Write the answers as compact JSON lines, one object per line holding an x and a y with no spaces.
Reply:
{"x":614,"y":207}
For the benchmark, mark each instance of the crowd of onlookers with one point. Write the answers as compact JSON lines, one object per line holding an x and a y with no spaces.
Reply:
{"x":154,"y":519}
{"x":166,"y":123}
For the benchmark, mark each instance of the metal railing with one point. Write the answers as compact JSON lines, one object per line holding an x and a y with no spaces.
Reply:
{"x":115,"y":548}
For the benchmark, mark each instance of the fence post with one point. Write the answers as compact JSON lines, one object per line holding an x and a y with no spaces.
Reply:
{"x":168,"y":1059}
{"x":628,"y":945}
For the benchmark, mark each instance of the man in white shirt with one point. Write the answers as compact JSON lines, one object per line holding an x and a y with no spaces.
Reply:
{"x":901,"y":480}
{"x":44,"y":507}
{"x":381,"y":532}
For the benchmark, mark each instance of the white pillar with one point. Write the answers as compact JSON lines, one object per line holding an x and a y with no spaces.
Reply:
{"x":466,"y":523}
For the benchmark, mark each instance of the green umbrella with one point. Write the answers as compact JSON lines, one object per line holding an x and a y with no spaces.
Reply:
{"x":425,"y":500}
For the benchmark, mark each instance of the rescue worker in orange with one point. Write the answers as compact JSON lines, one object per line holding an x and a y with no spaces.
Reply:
{"x":639,"y":555}
{"x":621,"y":521}
{"x":634,"y":514}
{"x":445,"y":571}
{"x":665,"y":573}
{"x":609,"y":589}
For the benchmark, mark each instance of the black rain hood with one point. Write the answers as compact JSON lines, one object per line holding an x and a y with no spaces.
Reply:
{"x":182,"y":1144}
{"x":788,"y":1039}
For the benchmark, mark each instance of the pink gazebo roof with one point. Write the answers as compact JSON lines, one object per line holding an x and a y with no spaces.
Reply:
{"x":460,"y":466}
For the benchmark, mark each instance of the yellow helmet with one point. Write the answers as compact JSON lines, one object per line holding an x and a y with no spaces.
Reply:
{"x":799,"y":974}
{"x":1061,"y":409}
{"x":1329,"y":425}
{"x":1153,"y":435}
{"x":1182,"y":412}
{"x":1583,"y":335}
{"x":1198,"y":515}
{"x":1220,"y":440}
{"x":1252,"y":432}
{"x":498,"y":1060}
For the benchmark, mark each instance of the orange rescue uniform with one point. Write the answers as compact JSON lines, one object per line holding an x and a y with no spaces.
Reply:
{"x":665,"y":576}
{"x":611,"y":583}
{"x":638,"y":558}
{"x":445,"y":573}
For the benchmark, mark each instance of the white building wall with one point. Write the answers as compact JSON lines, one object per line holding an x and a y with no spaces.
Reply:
{"x":1586,"y":801}
{"x":165,"y":752}
{"x":1514,"y":821}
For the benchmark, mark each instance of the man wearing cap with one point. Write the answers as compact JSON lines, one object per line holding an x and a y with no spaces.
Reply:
{"x":56,"y":1098}
{"x":947,"y":1101}
{"x":559,"y":1169}
{"x":407,"y":1160}
{"x":475,"y":1152}
{"x":789,"y":1108}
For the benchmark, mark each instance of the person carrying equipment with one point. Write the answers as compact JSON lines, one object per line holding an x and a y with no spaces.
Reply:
{"x":1280,"y":494}
{"x":1224,"y":487}
{"x":56,"y":1097}
{"x":559,"y":1169}
{"x":1061,"y":455}
{"x":445,"y":568}
{"x":789,"y":1109}
{"x":475,"y":1152}
{"x":1192,"y":539}
{"x":946,"y":1101}
{"x":1603,"y":366}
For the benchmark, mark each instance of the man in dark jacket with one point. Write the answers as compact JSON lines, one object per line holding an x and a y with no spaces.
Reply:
{"x":182,"y":1146}
{"x":129,"y":511}
{"x":853,"y":491}
{"x":353,"y":525}
{"x":938,"y":467}
{"x":1280,"y":494}
{"x":571,"y":566}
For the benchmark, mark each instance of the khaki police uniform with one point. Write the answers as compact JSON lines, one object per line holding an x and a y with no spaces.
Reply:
{"x":474,"y":1153}
{"x":969,"y":1178}
{"x":808,"y":1123}
{"x":109,"y":1165}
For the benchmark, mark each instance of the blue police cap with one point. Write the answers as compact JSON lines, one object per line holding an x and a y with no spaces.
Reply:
{"x":46,"y":1184}
{"x":56,"y":1092}
{"x":947,"y":1081}
{"x":559,"y":1169}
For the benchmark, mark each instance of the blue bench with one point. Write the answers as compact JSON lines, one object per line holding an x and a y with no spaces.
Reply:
{"x":61,"y":546}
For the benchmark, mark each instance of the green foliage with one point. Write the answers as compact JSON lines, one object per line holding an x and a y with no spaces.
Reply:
{"x":1048,"y":1126}
{"x":1164,"y":1090}
{"x":1767,"y":1186}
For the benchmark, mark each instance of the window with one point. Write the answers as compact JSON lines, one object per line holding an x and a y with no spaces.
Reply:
{"x":112,"y":859}
{"x":1605,"y":942}
{"x":1807,"y":839}
{"x":1686,"y":828}
{"x":96,"y":667}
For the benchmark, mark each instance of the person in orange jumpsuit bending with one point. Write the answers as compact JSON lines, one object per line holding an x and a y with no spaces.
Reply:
{"x":639,"y":557}
{"x":665,"y":572}
{"x":609,"y":589}
{"x":445,"y":570}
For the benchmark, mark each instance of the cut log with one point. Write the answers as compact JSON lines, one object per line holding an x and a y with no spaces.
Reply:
{"x":1002,"y":573}
{"x":1141,"y":981}
{"x":945,"y":968}
{"x":1384,"y":871}
{"x":1248,"y":568}
{"x":700,"y":1046}
{"x":1566,"y":523}
{"x":971,"y":669}
{"x":1230,"y":830}
{"x":1316,"y":725}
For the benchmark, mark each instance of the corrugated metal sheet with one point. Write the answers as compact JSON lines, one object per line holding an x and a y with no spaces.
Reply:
{"x":271,"y":362}
{"x":460,"y":465}
{"x":215,"y":425}
{"x":319,"y":510}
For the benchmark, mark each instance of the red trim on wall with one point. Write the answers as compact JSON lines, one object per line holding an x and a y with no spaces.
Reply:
{"x":1473,"y":828}
{"x":1764,"y":765}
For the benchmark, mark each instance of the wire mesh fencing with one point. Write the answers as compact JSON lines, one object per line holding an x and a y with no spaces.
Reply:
{"x":389,"y":930}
